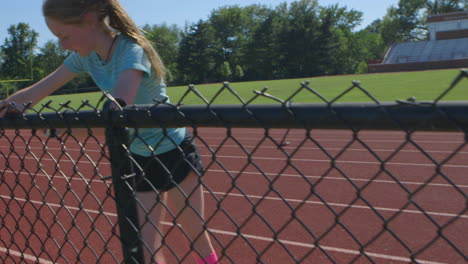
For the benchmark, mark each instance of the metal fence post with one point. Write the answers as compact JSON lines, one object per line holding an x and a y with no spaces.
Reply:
{"x":117,"y":140}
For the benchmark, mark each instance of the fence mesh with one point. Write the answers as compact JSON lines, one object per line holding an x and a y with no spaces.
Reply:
{"x":282,"y":182}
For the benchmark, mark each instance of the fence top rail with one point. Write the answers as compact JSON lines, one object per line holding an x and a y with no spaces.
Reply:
{"x":402,"y":115}
{"x":330,"y":114}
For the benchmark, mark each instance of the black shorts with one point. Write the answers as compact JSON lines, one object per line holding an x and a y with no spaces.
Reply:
{"x":162,"y":172}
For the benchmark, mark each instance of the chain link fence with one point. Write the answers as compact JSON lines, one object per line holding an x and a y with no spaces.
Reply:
{"x":330,"y":182}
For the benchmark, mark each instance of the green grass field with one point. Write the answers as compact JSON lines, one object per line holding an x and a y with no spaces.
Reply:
{"x":423,"y":85}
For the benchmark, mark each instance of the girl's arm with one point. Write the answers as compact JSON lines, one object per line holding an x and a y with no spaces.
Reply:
{"x":38,"y":91}
{"x":125,"y":89}
{"x":127,"y":85}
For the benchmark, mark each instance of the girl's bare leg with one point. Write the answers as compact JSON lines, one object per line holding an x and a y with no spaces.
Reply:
{"x":151,"y":213}
{"x":190,"y":214}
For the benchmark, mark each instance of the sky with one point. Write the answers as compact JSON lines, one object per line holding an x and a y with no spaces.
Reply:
{"x":179,"y":12}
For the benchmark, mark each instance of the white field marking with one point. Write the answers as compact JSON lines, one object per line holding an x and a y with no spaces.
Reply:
{"x":61,"y":177}
{"x":307,"y":202}
{"x":317,"y":139}
{"x":287,"y":200}
{"x":341,"y":161}
{"x":349,"y":139}
{"x":24,"y":256}
{"x":267,"y":173}
{"x":270,"y":174}
{"x":324,"y":178}
{"x":299,"y":160}
{"x":260,"y":238}
{"x":59,"y":206}
{"x":326,"y":248}
{"x":339,"y":149}
{"x":339,"y":204}
{"x":282,"y":131}
{"x":215,"y":147}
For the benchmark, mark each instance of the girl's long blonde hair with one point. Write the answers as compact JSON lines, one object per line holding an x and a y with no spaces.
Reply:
{"x":109,"y":12}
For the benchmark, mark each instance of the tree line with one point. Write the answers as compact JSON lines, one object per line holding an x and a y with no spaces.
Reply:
{"x":256,"y":42}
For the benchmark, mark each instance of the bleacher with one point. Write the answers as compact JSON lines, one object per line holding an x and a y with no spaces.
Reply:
{"x":447,"y":47}
{"x":424,"y":51}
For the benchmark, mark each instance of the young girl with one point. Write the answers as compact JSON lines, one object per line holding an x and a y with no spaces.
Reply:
{"x":108,"y":45}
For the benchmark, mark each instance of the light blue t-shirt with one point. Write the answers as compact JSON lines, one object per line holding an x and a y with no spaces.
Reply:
{"x":129,"y":55}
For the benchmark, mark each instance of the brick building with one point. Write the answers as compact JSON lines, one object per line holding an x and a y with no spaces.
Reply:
{"x":446,"y":48}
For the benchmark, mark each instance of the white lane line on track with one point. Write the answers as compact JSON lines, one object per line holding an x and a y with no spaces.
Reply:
{"x":325,"y":178}
{"x":351,"y":138}
{"x":417,"y":141}
{"x":240,"y":133}
{"x":246,"y":146}
{"x":24,"y":256}
{"x":365,"y":207}
{"x":261,"y":238}
{"x":273,"y":175}
{"x":340,"y":205}
{"x":250,"y":147}
{"x":340,"y":161}
{"x":297,"y":160}
{"x":281,"y":131}
{"x":327,"y":248}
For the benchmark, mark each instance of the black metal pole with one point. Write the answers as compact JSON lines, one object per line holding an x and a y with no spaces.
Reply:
{"x":117,"y":140}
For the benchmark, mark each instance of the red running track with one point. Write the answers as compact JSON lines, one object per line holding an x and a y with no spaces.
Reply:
{"x":381,"y":200}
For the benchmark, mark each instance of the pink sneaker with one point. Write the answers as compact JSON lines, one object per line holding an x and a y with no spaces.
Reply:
{"x":210,"y":259}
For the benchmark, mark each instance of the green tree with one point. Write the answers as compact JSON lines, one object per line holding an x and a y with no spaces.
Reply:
{"x":232,"y":28}
{"x":328,"y":58}
{"x":372,"y":45}
{"x":166,"y":41}
{"x":50,"y":57}
{"x":263,"y":52}
{"x":195,"y":62}
{"x":342,"y":17}
{"x":355,"y":49}
{"x":225,"y":71}
{"x":445,"y":6}
{"x":300,"y":40}
{"x":18,"y":52}
{"x":238,"y":73}
{"x":408,"y":20}
{"x":375,"y":26}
